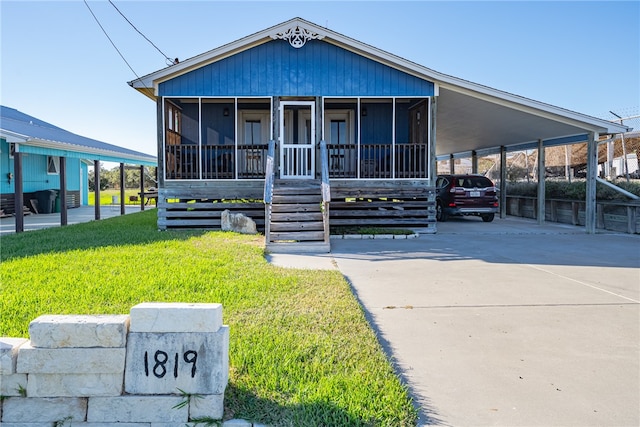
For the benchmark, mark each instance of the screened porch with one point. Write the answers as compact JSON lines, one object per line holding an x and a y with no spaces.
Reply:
{"x":227,"y":138}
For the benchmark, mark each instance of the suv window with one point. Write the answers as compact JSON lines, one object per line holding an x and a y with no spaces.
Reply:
{"x":473,"y":182}
{"x":441,"y":182}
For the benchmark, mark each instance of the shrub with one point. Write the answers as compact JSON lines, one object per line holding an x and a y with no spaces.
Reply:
{"x":576,"y":190}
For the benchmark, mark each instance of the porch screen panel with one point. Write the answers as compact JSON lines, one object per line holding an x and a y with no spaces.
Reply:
{"x":254,"y":123}
{"x":182,"y":156}
{"x":218,"y":139}
{"x":411,"y":151}
{"x":376,"y":139}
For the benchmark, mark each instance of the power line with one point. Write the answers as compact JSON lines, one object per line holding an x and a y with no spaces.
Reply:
{"x":112,"y":43}
{"x":169,"y":60}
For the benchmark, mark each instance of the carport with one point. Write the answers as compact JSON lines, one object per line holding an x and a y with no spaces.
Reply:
{"x":29,"y":143}
{"x":475,"y":120}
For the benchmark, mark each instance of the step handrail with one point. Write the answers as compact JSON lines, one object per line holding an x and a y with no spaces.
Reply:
{"x":325,"y":188}
{"x":324,"y":162}
{"x":269,"y":171}
{"x":269,"y":179}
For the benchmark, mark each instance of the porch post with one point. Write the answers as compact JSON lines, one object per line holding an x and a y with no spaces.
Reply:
{"x":122,"y":180}
{"x":503,"y":182}
{"x":318,"y":136}
{"x":160,"y":136}
{"x":433,"y":163}
{"x":63,"y":191}
{"x":541,"y":184}
{"x":18,"y":192}
{"x":592,"y":172}
{"x":96,"y":181}
{"x":142,"y":187}
{"x":474,"y":162}
{"x":275,"y":134}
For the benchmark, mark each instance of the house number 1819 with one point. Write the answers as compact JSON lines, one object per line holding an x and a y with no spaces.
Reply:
{"x":158,"y":365}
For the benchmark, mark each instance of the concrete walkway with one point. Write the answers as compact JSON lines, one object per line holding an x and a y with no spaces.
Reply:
{"x":74,"y":216}
{"x":505,"y":323}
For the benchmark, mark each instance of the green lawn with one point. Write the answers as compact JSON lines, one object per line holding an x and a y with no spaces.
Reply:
{"x":301,"y":351}
{"x":106,"y":196}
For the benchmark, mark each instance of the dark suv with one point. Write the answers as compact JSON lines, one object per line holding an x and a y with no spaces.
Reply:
{"x":466,"y":195}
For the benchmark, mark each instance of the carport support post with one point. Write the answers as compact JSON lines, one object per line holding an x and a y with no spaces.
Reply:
{"x":141,"y":187}
{"x":96,"y":184}
{"x":63,"y":191}
{"x":503,"y":182}
{"x":18,"y":190}
{"x":452,"y":166}
{"x":592,"y":172}
{"x":541,"y":184}
{"x":474,"y":162}
{"x":122,"y":179}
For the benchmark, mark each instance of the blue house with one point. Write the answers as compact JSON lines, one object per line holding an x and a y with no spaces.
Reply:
{"x":304,"y":129}
{"x":37,"y":157}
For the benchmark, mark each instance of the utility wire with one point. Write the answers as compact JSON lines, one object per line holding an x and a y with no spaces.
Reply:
{"x":112,"y":43}
{"x":169,"y":60}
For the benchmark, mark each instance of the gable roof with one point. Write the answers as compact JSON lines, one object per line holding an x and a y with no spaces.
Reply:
{"x":29,"y":131}
{"x":470,"y":116}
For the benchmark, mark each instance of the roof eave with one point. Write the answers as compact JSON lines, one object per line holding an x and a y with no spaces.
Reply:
{"x":148,"y":84}
{"x":65,"y":146}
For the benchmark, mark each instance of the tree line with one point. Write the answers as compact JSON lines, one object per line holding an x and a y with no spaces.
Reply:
{"x":110,"y":178}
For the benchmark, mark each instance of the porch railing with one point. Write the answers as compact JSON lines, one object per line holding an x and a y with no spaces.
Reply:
{"x":378,"y":161}
{"x":373,"y":161}
{"x":216,"y":161}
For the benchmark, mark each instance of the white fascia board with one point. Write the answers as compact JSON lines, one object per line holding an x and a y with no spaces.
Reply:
{"x":13,"y":136}
{"x":55,"y":145}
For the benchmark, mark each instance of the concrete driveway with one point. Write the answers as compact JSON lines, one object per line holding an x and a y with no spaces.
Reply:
{"x":507,"y":323}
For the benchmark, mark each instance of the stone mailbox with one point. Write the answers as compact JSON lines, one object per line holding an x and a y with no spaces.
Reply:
{"x":177,"y":346}
{"x":173,"y":359}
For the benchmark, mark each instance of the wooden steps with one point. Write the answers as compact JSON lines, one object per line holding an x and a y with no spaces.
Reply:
{"x":297,"y":220}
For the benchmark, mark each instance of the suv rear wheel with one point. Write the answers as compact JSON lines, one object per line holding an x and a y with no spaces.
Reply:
{"x":441,"y":215}
{"x":488,"y":217}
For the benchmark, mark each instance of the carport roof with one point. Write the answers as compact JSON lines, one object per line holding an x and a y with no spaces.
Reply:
{"x":35,"y":135}
{"x":470,"y":116}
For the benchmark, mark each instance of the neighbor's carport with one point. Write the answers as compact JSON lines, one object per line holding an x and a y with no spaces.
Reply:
{"x":474,"y":120}
{"x":31,"y":136}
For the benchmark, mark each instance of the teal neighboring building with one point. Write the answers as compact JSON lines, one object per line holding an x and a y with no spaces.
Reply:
{"x":41,"y":146}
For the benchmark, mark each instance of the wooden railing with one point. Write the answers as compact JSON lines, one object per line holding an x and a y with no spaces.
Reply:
{"x":268,"y":187}
{"x":326,"y":188}
{"x":374,"y":161}
{"x":378,"y":161}
{"x":218,"y":161}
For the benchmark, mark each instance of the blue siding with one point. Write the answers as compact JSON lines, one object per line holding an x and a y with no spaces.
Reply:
{"x":377,"y":125}
{"x":34,"y":173}
{"x":316,"y":69}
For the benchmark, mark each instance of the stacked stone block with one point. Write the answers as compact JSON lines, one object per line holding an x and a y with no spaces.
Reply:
{"x":166,"y":364}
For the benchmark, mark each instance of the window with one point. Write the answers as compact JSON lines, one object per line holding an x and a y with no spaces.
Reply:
{"x":252,"y":132}
{"x":53,"y":165}
{"x":338,"y":129}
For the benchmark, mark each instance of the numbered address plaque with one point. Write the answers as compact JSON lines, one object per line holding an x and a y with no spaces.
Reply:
{"x":165,"y":363}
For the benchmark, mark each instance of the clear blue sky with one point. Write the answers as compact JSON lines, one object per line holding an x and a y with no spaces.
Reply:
{"x":58,"y":65}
